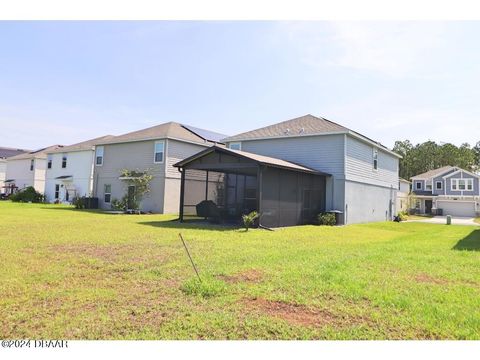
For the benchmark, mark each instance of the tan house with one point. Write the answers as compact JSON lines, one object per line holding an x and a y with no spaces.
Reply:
{"x":155,"y":150}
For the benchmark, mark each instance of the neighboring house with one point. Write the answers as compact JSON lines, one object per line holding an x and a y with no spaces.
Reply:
{"x":364,"y":174}
{"x":4,"y":154}
{"x":448,"y":190}
{"x":28,"y":169}
{"x":403,"y":194}
{"x":70,"y":171}
{"x":155,"y":150}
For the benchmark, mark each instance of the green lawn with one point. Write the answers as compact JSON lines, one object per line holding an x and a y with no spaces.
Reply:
{"x":86,"y":275}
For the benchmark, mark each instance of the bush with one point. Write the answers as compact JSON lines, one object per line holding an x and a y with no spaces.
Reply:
{"x":120,"y":205}
{"x":79,"y":202}
{"x":28,"y":194}
{"x":326,"y":219}
{"x":249,"y":219}
{"x":401,"y":216}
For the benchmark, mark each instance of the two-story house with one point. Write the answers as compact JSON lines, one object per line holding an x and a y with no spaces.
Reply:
{"x":448,"y":190}
{"x":359,"y":176}
{"x":70,"y":171}
{"x":28,"y":169}
{"x":153,"y":150}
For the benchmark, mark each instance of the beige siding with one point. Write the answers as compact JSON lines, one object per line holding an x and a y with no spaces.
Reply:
{"x":359,"y":165}
{"x":19,"y":170}
{"x":177,"y":151}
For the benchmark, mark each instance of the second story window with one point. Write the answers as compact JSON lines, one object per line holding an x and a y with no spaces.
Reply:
{"x":49,"y":161}
{"x":375,"y":159}
{"x":438,"y":185}
{"x":32,"y":164}
{"x":99,"y":155}
{"x":418,"y":185}
{"x":235,"y":146}
{"x":159,"y":151}
{"x":64,"y":161}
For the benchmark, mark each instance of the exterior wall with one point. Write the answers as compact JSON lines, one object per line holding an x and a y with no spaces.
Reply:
{"x":366,"y":203}
{"x":359,"y":165}
{"x":414,"y":185}
{"x":19,"y":170}
{"x":39,"y":175}
{"x":79,"y":166}
{"x":404,"y":187}
{"x":3,"y":173}
{"x":323,"y":153}
{"x":164,"y":196}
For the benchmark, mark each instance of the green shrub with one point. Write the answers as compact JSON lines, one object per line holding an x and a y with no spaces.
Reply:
{"x":120,"y":205}
{"x":402,"y":215}
{"x":209,"y":287}
{"x":28,"y":194}
{"x":79,"y":202}
{"x":326,"y":219}
{"x":249,"y":219}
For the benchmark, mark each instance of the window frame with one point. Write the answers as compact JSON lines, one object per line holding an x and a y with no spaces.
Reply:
{"x":375,"y":159}
{"x":418,"y":185}
{"x":56,"y":194}
{"x":235,"y":143}
{"x":97,"y":156}
{"x":49,"y":161}
{"x":468,"y":184}
{"x":32,"y":164}
{"x":105,"y":193}
{"x":436,"y":185}
{"x":155,"y":151}
{"x":64,"y":161}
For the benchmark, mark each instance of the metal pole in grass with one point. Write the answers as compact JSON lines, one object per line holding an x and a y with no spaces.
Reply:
{"x":190,"y":257}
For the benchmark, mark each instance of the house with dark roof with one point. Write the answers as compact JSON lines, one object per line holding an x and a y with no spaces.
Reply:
{"x":5,"y":153}
{"x":69,"y":171}
{"x":28,"y":169}
{"x":290,"y":172}
{"x":154,"y":151}
{"x":448,"y":190}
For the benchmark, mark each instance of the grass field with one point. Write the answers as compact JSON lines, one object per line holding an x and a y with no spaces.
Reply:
{"x":86,"y":275}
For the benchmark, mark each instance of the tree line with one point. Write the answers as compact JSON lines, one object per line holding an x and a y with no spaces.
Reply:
{"x":429,"y":155}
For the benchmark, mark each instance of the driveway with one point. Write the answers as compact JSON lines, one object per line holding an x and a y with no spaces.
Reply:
{"x":443,"y":220}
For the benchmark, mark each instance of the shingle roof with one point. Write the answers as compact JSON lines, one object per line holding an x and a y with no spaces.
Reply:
{"x":166,"y":130}
{"x":85,"y":145}
{"x":38,"y":154}
{"x":304,"y":125}
{"x":6,"y":152}
{"x":265,"y":160}
{"x":434,"y":173}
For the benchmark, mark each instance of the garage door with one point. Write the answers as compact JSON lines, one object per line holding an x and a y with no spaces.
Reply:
{"x":457,"y":208}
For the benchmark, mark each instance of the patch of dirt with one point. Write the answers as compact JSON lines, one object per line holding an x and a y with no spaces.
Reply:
{"x":427,"y":279}
{"x":297,"y":314}
{"x":252,"y":276}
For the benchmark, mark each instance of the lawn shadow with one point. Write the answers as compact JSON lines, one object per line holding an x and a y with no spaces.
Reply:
{"x":194,"y":225}
{"x":471,"y":242}
{"x":95,"y":211}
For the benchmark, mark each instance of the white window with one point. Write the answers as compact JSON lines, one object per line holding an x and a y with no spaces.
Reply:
{"x":49,"y":161}
{"x":375,"y":159}
{"x":235,"y":146}
{"x":418,"y":185}
{"x":64,"y":161}
{"x":159,"y":151}
{"x":428,"y":187}
{"x":462,"y":184}
{"x":107,"y":193}
{"x":438,"y":185}
{"x":99,"y":156}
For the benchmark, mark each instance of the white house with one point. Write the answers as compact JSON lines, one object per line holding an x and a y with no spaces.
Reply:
{"x":403,"y":194}
{"x":70,"y":171}
{"x":4,"y":154}
{"x":28,"y":169}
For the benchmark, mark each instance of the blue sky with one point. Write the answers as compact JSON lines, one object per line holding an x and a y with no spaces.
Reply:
{"x":64,"y":82}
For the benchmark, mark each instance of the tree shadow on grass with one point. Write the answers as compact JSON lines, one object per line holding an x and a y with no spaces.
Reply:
{"x":194,"y":225}
{"x":470,"y":243}
{"x":94,"y":211}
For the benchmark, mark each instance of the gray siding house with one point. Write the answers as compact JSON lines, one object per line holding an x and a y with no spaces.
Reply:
{"x":448,"y":190}
{"x":154,"y":149}
{"x":364,"y":174}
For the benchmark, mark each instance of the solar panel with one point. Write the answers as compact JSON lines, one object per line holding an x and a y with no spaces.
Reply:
{"x":206,"y":134}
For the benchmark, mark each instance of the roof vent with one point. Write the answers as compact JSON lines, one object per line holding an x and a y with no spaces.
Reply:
{"x":287,"y":131}
{"x":302,"y":130}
